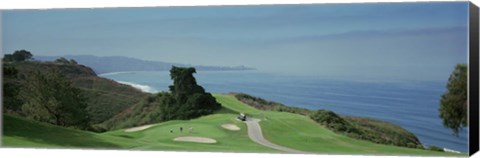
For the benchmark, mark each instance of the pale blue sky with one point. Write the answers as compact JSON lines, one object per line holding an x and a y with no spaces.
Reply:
{"x":414,"y":41}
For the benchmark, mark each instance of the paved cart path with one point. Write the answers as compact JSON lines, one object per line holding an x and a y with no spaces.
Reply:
{"x":255,"y":133}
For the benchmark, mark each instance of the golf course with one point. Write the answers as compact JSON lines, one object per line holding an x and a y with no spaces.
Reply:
{"x":387,"y":79}
{"x":286,"y":130}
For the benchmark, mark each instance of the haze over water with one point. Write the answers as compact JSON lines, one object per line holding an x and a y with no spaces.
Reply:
{"x":392,"y":41}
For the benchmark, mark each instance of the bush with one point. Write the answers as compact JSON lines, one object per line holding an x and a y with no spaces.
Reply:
{"x":99,"y":128}
{"x":263,"y":104}
{"x":383,"y":132}
{"x":332,"y":121}
{"x":366,"y":129}
{"x":435,"y":148}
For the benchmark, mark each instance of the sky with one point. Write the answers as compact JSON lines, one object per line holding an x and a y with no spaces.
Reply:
{"x":392,"y":41}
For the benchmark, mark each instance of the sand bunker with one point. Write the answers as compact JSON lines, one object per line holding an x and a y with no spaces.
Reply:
{"x":231,"y":127}
{"x":134,"y":129}
{"x":195,"y":139}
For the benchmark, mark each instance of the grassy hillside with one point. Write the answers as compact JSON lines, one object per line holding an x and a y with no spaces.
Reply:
{"x":106,"y":98}
{"x":286,"y":129}
{"x":146,"y":111}
{"x":20,"y":132}
{"x":301,"y":133}
{"x":262,"y":104}
{"x":355,"y":127}
{"x":384,"y":132}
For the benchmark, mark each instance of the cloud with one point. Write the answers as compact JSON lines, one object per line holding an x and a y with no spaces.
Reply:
{"x":143,"y":88}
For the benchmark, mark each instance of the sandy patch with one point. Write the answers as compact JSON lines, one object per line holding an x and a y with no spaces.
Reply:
{"x":139,"y":128}
{"x":195,"y":139}
{"x":231,"y":127}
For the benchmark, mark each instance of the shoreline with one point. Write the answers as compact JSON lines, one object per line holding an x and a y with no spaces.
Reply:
{"x":418,"y":129}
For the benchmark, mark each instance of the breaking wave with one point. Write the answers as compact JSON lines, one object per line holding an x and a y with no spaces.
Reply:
{"x":143,"y":88}
{"x":115,"y":73}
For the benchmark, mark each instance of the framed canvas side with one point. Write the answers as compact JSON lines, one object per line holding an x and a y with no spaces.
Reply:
{"x":473,"y":79}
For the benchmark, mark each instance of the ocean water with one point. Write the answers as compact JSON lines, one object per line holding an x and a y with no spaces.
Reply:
{"x":411,"y":104}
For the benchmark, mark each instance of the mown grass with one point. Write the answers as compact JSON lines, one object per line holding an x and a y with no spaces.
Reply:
{"x":300,"y":132}
{"x":159,"y":136}
{"x":19,"y":132}
{"x":286,"y":129}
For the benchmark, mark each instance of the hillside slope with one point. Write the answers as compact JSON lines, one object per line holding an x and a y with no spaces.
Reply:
{"x":355,"y":127}
{"x":286,"y":129}
{"x":301,"y":133}
{"x":21,"y":132}
{"x":105,"y":97}
{"x":185,"y":100}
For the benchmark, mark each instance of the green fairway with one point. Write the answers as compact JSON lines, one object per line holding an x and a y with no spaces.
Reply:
{"x":159,"y":136}
{"x":286,"y":129}
{"x":301,"y":133}
{"x":20,"y":132}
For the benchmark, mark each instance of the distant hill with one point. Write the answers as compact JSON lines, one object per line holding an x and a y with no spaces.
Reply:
{"x":119,"y":63}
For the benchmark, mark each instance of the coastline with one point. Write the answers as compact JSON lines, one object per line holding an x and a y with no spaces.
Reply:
{"x":292,"y":93}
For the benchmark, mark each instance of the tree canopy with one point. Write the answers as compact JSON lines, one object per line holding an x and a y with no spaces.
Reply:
{"x":50,"y":97}
{"x":187,"y":99}
{"x":453,"y":103}
{"x":11,"y":101}
{"x":63,"y":60}
{"x":184,"y":84}
{"x":19,"y":55}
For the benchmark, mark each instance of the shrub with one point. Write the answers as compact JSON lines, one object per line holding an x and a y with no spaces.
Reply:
{"x":331,"y":120}
{"x":263,"y":104}
{"x":435,"y":148}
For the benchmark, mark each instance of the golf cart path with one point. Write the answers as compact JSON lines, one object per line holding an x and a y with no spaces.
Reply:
{"x":255,"y":133}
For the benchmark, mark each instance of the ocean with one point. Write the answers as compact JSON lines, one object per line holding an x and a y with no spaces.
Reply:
{"x":411,"y":104}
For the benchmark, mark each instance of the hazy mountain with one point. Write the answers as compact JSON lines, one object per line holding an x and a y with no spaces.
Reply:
{"x":119,"y":63}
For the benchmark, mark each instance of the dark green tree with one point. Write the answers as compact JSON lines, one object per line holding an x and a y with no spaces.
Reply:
{"x":188,"y":99}
{"x":9,"y":71}
{"x":19,"y":55}
{"x":184,"y":84}
{"x":50,"y":97}
{"x":453,"y":103}
{"x":200,"y":104}
{"x":8,"y":57}
{"x":11,"y":101}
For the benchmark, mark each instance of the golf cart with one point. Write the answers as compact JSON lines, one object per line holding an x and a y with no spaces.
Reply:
{"x":242,"y":117}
